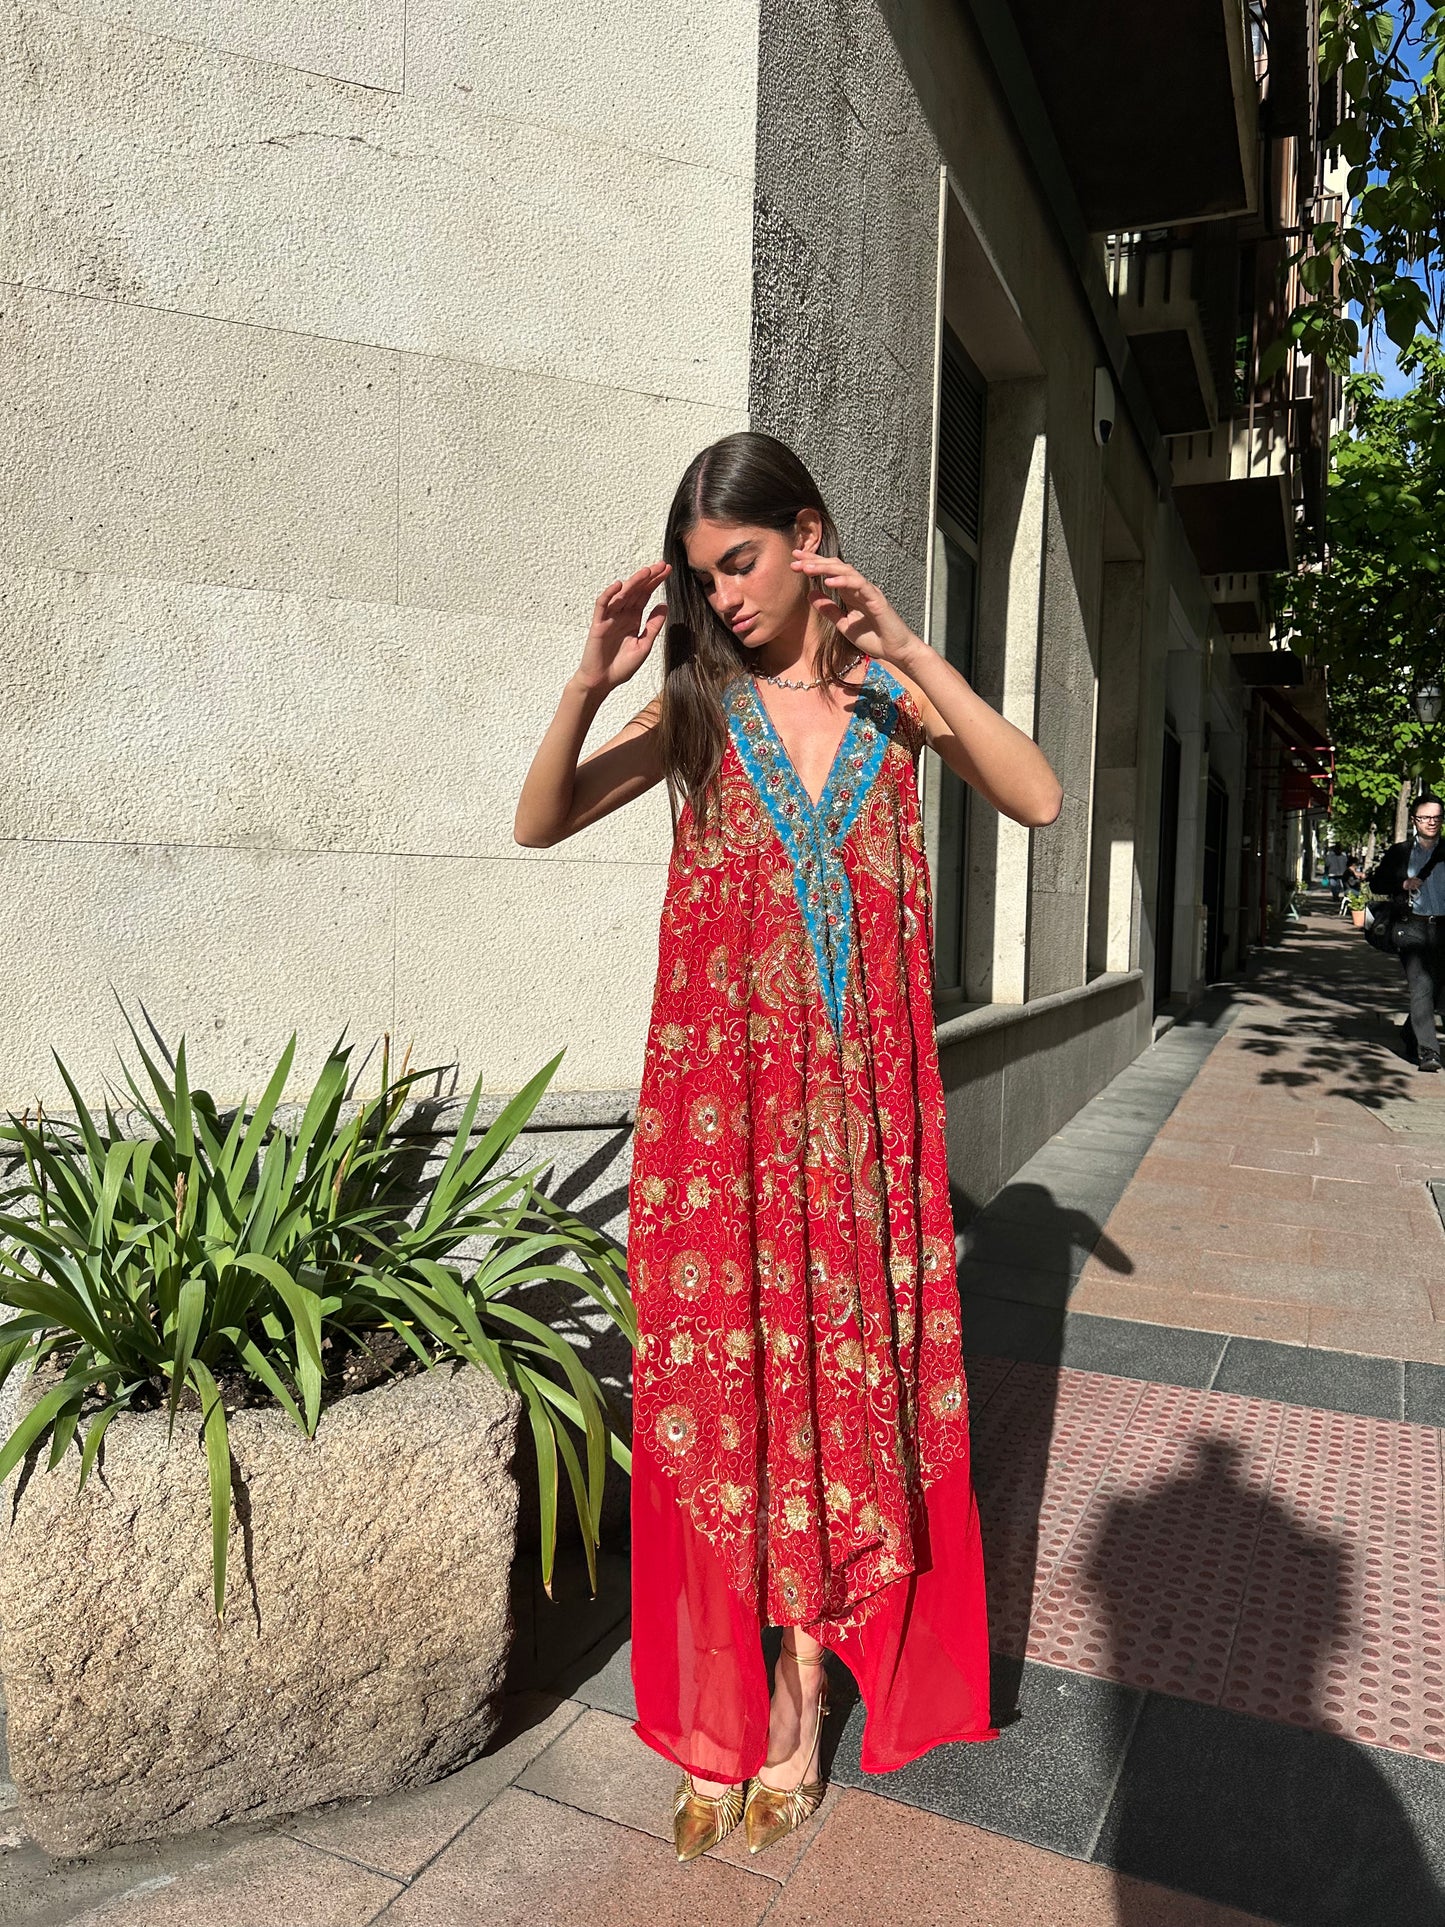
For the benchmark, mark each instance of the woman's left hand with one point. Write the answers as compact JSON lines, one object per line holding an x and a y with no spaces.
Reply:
{"x":861,"y":613}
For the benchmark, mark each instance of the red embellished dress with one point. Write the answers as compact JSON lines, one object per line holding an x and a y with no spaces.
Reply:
{"x":800,"y":1452}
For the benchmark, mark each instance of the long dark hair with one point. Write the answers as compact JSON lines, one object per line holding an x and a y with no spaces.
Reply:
{"x":747,"y":478}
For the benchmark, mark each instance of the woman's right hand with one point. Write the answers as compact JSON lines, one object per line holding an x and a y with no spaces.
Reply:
{"x":618,"y":641}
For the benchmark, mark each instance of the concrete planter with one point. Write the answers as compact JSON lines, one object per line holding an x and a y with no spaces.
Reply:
{"x":366,"y":1628}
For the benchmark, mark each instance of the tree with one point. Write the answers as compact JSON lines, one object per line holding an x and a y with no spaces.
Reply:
{"x":1370,"y":609}
{"x":1381,"y":255}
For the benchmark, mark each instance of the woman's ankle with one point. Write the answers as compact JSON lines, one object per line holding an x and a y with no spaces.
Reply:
{"x":710,"y":1789}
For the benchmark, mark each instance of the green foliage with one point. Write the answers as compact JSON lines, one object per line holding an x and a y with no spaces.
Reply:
{"x":1372,"y":613}
{"x":1382,"y":256}
{"x":216,"y":1255}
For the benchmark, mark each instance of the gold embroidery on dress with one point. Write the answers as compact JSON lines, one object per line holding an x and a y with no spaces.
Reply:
{"x":699,"y":1376}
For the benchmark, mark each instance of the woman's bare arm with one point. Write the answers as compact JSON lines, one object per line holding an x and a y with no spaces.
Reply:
{"x":561,"y":795}
{"x":991,"y":754}
{"x":994,"y":757}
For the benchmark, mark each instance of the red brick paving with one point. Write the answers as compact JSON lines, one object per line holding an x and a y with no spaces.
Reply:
{"x":1295,"y":1124}
{"x":1275,"y":1560}
{"x":875,"y":1864}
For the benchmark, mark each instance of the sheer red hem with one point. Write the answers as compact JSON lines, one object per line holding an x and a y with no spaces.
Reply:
{"x":871,"y":1764}
{"x":697,"y":1772}
{"x":919,"y":1654}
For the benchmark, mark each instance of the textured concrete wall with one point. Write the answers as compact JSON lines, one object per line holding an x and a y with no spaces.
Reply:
{"x":1006,"y":673}
{"x":1038,"y":941}
{"x":846,"y":244}
{"x":1012,"y":1078}
{"x":1113,"y":879}
{"x":1067,"y":691}
{"x":860,"y":101}
{"x":345,"y":352}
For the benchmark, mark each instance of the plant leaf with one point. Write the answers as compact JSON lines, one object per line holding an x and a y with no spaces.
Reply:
{"x":218,"y":1468}
{"x":545,"y":1443}
{"x":35,"y":1423}
{"x":190,"y":1308}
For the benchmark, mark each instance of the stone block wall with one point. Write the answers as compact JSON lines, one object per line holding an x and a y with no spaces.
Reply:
{"x":1014,"y":1077}
{"x":345,"y":353}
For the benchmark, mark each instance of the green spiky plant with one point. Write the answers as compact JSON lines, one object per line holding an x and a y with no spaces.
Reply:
{"x":140,"y":1270}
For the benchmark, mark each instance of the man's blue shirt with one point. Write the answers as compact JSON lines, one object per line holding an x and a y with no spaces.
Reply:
{"x":1429,"y":899}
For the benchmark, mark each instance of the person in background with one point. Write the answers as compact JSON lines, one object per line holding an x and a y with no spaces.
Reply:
{"x":1336,"y":864}
{"x":1412,"y":873}
{"x":1354,"y":879}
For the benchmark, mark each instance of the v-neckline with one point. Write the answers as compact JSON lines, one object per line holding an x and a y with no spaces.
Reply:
{"x":815,"y":805}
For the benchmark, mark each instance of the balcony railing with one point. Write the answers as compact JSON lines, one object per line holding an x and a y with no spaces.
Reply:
{"x":1178,"y":297}
{"x":1256,"y":445}
{"x":1236,"y":488}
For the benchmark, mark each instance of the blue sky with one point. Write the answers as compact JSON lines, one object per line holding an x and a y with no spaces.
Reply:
{"x":1385,"y":362}
{"x":1384,"y":358}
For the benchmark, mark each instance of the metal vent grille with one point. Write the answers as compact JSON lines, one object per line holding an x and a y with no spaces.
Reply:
{"x":960,"y":439}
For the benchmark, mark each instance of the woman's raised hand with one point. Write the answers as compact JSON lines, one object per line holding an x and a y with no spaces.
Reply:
{"x":861,"y":613}
{"x":619,"y":641}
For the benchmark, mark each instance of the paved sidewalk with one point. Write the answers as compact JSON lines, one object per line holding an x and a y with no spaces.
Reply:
{"x":1207,"y":1391}
{"x":1287,"y":1195}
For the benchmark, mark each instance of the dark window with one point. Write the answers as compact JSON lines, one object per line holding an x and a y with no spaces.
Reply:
{"x":960,"y":441}
{"x":960,"y":515}
{"x":1168,"y":871}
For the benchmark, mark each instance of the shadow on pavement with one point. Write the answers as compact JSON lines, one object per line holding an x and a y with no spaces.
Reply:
{"x":1299,"y":1826}
{"x":1362,"y":1054}
{"x":1012,"y":1453}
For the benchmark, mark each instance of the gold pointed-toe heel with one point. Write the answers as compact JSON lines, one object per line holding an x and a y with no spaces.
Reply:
{"x":700,"y":1820}
{"x":771,"y":1812}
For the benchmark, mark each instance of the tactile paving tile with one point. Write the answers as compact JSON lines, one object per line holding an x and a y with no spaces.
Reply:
{"x":983,"y":1376}
{"x":1012,"y":1438}
{"x":1025,"y":1400}
{"x":1344,"y":1615}
{"x":1282,"y":1562}
{"x":1150,"y":1590}
{"x":1040,"y":1449}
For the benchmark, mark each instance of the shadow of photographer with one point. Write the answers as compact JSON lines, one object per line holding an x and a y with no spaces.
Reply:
{"x":1207,"y":1595}
{"x":1209,"y":1587}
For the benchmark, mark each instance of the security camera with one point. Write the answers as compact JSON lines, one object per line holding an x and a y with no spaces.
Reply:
{"x":1104,"y":406}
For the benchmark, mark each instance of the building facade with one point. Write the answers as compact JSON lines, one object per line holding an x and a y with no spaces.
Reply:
{"x":350,"y":349}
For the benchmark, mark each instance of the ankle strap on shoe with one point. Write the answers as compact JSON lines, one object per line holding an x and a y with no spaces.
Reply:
{"x":798,"y":1659}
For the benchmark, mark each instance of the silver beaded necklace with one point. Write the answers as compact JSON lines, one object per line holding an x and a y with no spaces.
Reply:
{"x":781,"y":682}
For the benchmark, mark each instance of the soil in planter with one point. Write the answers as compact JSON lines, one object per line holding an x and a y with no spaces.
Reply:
{"x":350,"y":1365}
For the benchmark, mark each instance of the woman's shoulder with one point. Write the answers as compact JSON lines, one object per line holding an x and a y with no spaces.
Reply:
{"x":908,"y":700}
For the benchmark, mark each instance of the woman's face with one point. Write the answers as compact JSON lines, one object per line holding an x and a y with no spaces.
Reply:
{"x":747,"y":574}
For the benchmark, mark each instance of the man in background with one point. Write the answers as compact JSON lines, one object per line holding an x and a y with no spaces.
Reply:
{"x":1336,"y":864}
{"x":1412,"y":874}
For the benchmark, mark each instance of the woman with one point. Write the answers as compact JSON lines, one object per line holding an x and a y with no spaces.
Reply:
{"x":800,"y":1451}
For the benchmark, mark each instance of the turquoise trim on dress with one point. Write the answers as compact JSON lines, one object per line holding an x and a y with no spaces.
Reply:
{"x":811,"y":834}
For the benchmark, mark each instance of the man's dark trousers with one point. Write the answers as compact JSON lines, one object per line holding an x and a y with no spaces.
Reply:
{"x":1422,"y":957}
